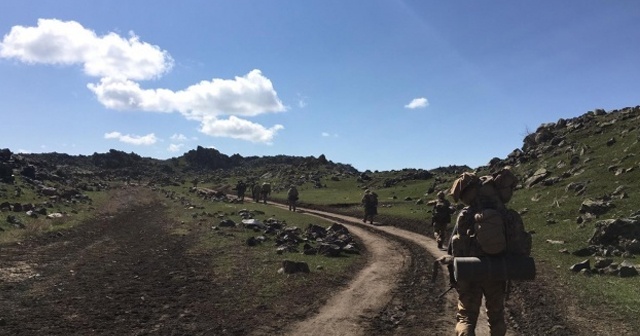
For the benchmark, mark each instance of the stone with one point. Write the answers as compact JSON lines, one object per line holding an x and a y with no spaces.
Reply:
{"x":585,"y":264}
{"x":291,"y":267}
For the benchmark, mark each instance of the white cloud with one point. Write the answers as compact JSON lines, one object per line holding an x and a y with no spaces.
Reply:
{"x":68,"y":43}
{"x":246,"y":96}
{"x":417,"y":103}
{"x":146,"y":140}
{"x":174,"y":147}
{"x":237,"y":128}
{"x":121,"y":62}
{"x":178,"y":137}
{"x":326,"y":135}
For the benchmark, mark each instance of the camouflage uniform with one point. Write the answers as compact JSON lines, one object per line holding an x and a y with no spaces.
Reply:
{"x":470,"y":300}
{"x":470,"y":292}
{"x":255,"y":192}
{"x":292,"y":198}
{"x":265,"y":191}
{"x":480,"y":194}
{"x":370,"y":202}
{"x":441,"y":219}
{"x":241,"y":187}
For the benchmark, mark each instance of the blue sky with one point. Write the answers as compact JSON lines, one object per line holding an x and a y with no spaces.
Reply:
{"x":377,"y":84}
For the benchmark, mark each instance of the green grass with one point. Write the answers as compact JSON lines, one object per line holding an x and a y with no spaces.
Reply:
{"x":75,"y":213}
{"x":253,"y":268}
{"x":249,"y":272}
{"x":234,"y":239}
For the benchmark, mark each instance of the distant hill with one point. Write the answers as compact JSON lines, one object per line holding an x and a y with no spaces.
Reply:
{"x":120,"y":165}
{"x":566,"y":138}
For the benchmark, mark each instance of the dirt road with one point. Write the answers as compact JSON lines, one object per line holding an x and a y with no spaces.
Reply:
{"x":125,"y":274}
{"x":362,"y":299}
{"x":118,"y":275}
{"x":345,"y":310}
{"x":533,"y":307}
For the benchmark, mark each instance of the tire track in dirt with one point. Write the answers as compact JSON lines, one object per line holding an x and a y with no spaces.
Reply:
{"x":115,"y":275}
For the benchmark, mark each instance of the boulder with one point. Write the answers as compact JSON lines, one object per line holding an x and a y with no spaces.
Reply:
{"x":291,"y":267}
{"x":613,"y":231}
{"x":585,"y":264}
{"x":538,"y":176}
{"x":227,"y":223}
{"x":627,"y":269}
{"x":596,"y":207}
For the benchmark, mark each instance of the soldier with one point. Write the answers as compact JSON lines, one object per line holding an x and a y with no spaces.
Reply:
{"x":370,"y":203}
{"x":265,"y":191}
{"x":471,"y":191}
{"x":241,"y":188}
{"x":441,"y":217}
{"x":256,"y":190}
{"x":292,"y":197}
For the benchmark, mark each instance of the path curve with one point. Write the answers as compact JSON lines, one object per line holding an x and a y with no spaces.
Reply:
{"x":344,"y":301}
{"x":365,"y":295}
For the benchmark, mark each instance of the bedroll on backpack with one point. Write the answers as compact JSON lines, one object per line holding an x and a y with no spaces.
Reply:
{"x":494,"y":268}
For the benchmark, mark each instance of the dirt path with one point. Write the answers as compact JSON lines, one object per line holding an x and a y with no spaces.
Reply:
{"x":117,"y":275}
{"x":345,"y":309}
{"x":369,"y":291}
{"x":125,"y":274}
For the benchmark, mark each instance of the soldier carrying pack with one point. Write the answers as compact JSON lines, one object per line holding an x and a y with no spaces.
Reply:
{"x":489,"y":241}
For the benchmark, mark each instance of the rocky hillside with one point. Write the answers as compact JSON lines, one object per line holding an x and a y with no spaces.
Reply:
{"x":580,"y":187}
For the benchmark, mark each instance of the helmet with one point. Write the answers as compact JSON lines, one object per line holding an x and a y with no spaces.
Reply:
{"x":464,"y":188}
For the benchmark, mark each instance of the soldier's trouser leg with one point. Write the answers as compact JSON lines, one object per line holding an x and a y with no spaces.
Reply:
{"x":494,"y":293}
{"x":469,"y":302}
{"x":440,"y":232}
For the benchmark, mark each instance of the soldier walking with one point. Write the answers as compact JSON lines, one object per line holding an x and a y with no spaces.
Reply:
{"x":441,"y":218}
{"x":265,"y":191}
{"x":370,"y":203}
{"x":292,"y":197}
{"x":241,"y":188}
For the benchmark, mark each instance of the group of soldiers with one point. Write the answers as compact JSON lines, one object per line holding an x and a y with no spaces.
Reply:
{"x":470,"y":293}
{"x":260,"y":193}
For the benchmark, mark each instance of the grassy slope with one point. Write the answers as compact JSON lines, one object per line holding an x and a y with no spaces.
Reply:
{"x":551,"y":211}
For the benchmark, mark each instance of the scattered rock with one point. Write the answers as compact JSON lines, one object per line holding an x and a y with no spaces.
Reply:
{"x":585,"y":264}
{"x":291,"y":267}
{"x":596,"y":207}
